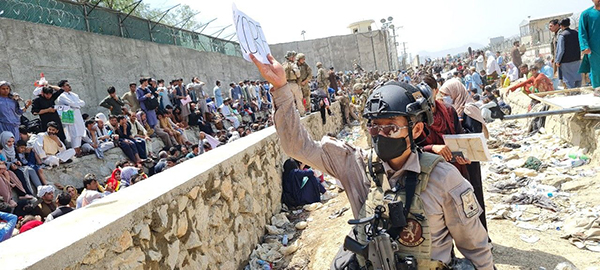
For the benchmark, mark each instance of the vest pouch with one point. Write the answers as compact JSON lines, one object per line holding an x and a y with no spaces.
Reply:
{"x":396,"y":214}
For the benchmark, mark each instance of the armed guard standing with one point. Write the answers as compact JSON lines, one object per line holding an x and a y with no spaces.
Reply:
{"x":305,"y":76}
{"x":292,"y":74}
{"x":417,"y":204}
{"x":322,"y":78}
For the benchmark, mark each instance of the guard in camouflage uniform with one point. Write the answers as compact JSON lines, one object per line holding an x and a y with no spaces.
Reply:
{"x":292,"y":74}
{"x":305,"y":76}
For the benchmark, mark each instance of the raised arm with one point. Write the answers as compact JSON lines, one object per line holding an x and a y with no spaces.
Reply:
{"x":334,"y":157}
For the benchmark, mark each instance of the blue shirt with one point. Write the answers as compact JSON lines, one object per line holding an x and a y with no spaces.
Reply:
{"x":477,"y":81}
{"x":10,"y":112}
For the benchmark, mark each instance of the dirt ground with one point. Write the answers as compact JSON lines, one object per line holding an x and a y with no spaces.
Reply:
{"x":320,"y":241}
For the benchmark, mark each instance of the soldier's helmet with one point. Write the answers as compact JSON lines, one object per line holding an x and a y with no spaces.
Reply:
{"x":319,"y":64}
{"x":289,"y":54}
{"x":300,"y":56}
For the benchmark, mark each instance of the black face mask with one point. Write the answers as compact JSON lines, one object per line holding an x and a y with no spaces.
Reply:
{"x":389,"y":148}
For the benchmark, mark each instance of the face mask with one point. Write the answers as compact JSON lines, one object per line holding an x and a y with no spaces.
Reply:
{"x":389,"y":148}
{"x":448,"y":100}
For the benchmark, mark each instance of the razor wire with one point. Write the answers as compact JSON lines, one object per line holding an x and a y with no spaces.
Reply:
{"x":105,"y":21}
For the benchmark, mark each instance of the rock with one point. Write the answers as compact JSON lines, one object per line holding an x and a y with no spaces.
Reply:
{"x":289,"y":249}
{"x":193,"y":241}
{"x":279,"y":220}
{"x":94,"y":256}
{"x":160,"y":219}
{"x":313,"y":206}
{"x":173,"y":253}
{"x":226,"y":190}
{"x":193,"y":194}
{"x":301,"y":225}
{"x":182,"y":203}
{"x":572,"y":185}
{"x":154,"y":256}
{"x":524,"y":172}
{"x":131,"y":259}
{"x":123,"y":243}
{"x":182,"y":225}
{"x":272,"y":230}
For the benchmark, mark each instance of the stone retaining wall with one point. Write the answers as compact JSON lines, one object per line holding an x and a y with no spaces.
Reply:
{"x":206,"y":213}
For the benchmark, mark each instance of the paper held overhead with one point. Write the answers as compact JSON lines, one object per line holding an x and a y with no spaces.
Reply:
{"x":250,"y":36}
{"x":473,"y":146}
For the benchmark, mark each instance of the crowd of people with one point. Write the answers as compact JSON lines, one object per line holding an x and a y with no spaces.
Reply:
{"x":149,"y":109}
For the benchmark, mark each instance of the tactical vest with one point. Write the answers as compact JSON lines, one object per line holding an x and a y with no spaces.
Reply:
{"x":289,"y":71}
{"x":415,"y":238}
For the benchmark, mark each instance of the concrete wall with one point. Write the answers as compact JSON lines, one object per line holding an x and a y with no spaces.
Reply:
{"x":93,"y":62}
{"x":367,"y":49}
{"x":206,"y":213}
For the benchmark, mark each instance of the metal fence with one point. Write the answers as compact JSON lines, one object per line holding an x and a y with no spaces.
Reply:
{"x":95,"y":19}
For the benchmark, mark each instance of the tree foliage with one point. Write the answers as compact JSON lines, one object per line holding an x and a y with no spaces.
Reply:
{"x":181,"y":16}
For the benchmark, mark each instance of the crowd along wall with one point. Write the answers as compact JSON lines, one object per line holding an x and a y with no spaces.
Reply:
{"x":93,"y":62}
{"x":369,"y":50}
{"x":206,"y":213}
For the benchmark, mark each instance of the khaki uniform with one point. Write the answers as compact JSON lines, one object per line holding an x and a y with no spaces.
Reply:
{"x":305,"y":75}
{"x":292,"y":74}
{"x":450,"y":212}
{"x":322,"y":79}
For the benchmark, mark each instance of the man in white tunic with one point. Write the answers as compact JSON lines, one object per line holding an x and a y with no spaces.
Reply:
{"x":76,"y":129}
{"x":228,"y":114}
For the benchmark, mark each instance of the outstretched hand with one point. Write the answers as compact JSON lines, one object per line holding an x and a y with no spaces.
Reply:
{"x":272,"y":72}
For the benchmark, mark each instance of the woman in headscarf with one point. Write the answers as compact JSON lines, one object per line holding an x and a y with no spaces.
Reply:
{"x":445,"y":121}
{"x":513,"y":72}
{"x":471,"y":120}
{"x":8,"y":181}
{"x":24,"y":173}
{"x":114,"y":181}
{"x":74,"y":195}
{"x":10,"y":110}
{"x":300,"y":187}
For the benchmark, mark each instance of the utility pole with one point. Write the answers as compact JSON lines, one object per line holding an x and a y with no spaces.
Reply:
{"x":404,"y":55}
{"x":303,"y":37}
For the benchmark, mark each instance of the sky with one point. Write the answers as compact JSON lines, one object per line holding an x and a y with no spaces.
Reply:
{"x":427,"y":25}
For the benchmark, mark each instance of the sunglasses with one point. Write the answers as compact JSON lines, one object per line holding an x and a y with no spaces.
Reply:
{"x":385,"y":130}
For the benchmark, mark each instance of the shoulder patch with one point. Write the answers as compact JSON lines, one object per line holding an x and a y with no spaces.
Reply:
{"x":469,"y":202}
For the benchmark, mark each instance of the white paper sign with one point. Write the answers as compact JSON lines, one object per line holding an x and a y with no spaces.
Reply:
{"x":250,"y":36}
{"x":62,"y":108}
{"x":473,"y":145}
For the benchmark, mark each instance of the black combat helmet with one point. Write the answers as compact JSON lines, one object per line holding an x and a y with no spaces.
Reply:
{"x":400,"y":99}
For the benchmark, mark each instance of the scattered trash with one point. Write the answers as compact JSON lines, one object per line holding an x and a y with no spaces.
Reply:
{"x":338,"y":213}
{"x":533,"y":163}
{"x":279,"y":220}
{"x":531,"y":239}
{"x":565,"y":266}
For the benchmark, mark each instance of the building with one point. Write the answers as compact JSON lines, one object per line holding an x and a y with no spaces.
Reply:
{"x":535,"y":31}
{"x":361,"y":27}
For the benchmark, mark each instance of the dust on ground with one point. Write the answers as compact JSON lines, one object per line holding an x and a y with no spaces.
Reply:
{"x":524,"y":236}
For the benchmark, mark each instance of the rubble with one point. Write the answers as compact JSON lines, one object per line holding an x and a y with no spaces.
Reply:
{"x":534,"y":178}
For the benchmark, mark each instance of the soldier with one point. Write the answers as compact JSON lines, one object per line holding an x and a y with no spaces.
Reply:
{"x":292,"y":74}
{"x":322,"y":78}
{"x":440,"y":207}
{"x":304,"y":79}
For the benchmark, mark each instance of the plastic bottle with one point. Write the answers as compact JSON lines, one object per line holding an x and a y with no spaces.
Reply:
{"x":265,"y":265}
{"x":284,"y":241}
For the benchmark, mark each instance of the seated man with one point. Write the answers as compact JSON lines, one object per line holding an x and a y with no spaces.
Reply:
{"x":46,"y":204}
{"x":64,"y":199}
{"x":90,"y":140}
{"x":53,"y":151}
{"x":90,"y":193}
{"x":104,"y":133}
{"x":127,"y":145}
{"x":538,"y":82}
{"x":170,"y":128}
{"x":139,"y":132}
{"x":228,"y":113}
{"x":124,"y":132}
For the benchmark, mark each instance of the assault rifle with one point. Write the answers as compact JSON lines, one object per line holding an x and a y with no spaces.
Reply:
{"x":379,"y":252}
